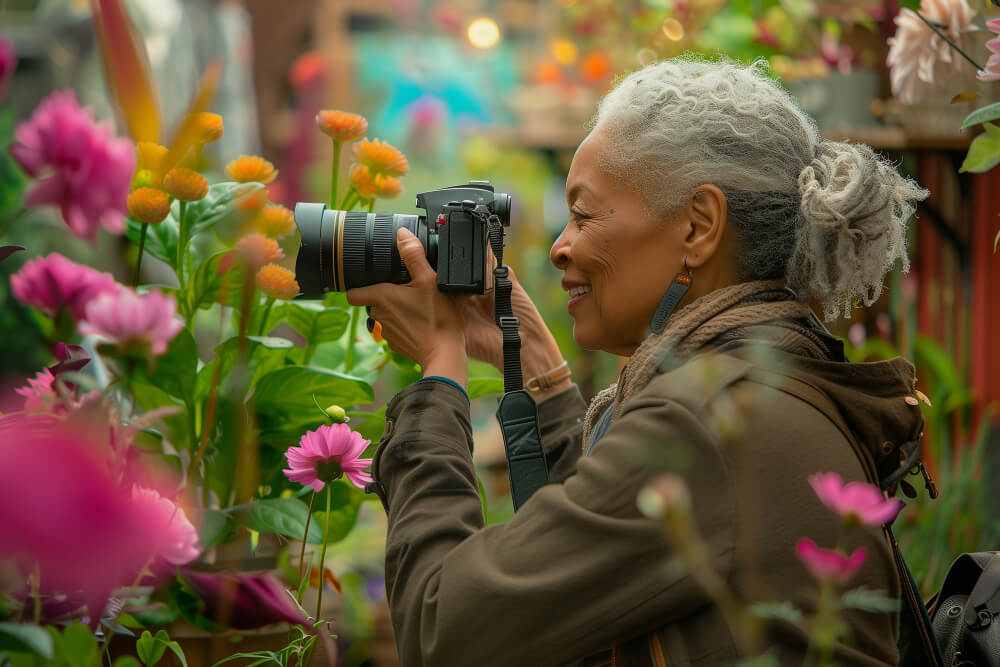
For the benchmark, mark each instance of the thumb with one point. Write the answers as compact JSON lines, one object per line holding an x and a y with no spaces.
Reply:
{"x":411,"y":251}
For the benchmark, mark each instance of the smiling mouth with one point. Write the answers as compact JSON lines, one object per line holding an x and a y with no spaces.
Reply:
{"x":579,"y":291}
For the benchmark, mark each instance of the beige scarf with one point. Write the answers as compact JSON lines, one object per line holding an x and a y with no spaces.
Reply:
{"x":686,"y":332}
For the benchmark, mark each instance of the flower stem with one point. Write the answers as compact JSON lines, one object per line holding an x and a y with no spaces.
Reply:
{"x":334,"y":173}
{"x":350,"y":199}
{"x":262,"y":330}
{"x":12,"y":220}
{"x":352,"y":333}
{"x":933,"y":26}
{"x":142,"y":246}
{"x":371,"y":206}
{"x":322,"y":554}
{"x":302,"y":553}
{"x":181,"y":242}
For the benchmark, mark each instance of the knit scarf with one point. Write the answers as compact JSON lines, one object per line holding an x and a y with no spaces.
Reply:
{"x":687,"y":331}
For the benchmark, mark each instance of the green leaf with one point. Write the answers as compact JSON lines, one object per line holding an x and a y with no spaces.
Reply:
{"x":272,"y":342}
{"x":161,"y":239}
{"x":78,"y":646}
{"x":189,"y":604}
{"x":176,"y":371}
{"x":984,"y":153}
{"x":216,"y":527}
{"x":207,"y":285}
{"x":479,"y":387}
{"x":316,"y":323}
{"x":290,"y":392}
{"x":867,"y":599}
{"x":216,"y":205}
{"x":16,"y":637}
{"x":285,"y":516}
{"x":150,"y":650}
{"x":780,"y":611}
{"x":127,"y":661}
{"x":987,"y":113}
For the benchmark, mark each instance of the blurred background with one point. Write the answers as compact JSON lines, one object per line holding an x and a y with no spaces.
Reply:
{"x":502,"y":90}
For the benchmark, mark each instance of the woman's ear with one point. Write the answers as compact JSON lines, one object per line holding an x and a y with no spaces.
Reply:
{"x":706,"y":213}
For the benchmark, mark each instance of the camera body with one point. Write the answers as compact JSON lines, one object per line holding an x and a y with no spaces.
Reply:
{"x":341,"y":250}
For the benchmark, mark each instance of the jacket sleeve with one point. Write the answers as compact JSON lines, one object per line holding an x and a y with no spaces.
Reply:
{"x":560,"y":425}
{"x":577,"y":568}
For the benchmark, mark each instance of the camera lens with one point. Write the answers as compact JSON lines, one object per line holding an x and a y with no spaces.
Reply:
{"x":501,"y":207}
{"x":345,"y":249}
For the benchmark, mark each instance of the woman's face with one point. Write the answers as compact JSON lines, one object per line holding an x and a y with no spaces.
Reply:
{"x":616,"y":260}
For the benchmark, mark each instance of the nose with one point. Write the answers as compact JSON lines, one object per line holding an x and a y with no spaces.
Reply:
{"x":559,"y":252}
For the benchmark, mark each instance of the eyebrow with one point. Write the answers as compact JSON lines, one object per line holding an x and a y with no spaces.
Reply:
{"x":575,"y":191}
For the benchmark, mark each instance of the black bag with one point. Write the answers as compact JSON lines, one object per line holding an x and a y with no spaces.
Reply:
{"x":965,"y":613}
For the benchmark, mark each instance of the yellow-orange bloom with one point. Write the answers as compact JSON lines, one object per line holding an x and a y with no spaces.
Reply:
{"x":251,"y":169}
{"x":185,"y":184}
{"x":208,"y":127}
{"x":381,"y":158}
{"x":277,"y":282}
{"x":250,"y":199}
{"x":274,"y":221}
{"x":370,"y":186}
{"x":256,"y":250}
{"x":150,"y":156}
{"x":148,"y":205}
{"x":342,"y":126}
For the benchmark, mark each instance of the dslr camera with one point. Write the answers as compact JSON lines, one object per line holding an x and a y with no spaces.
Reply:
{"x":341,"y":250}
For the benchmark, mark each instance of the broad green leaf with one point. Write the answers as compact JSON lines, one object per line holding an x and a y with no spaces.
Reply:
{"x":215,"y":527}
{"x":293,"y":392}
{"x":127,"y":661}
{"x":285,"y":516}
{"x":150,"y":650}
{"x":189,"y":604}
{"x":987,"y":113}
{"x":216,"y":205}
{"x":316,"y":323}
{"x":272,"y":342}
{"x":783,"y":611}
{"x":866,"y":599}
{"x":79,"y":647}
{"x":161,"y":239}
{"x":479,"y":387}
{"x":156,"y":615}
{"x":16,"y":637}
{"x":206,"y":287}
{"x":984,"y":153}
{"x":176,"y":371}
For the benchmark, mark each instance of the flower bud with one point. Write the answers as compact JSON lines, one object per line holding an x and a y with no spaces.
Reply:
{"x":337,"y":414}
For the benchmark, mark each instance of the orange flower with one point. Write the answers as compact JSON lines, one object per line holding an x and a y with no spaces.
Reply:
{"x":250,"y":169}
{"x":342,"y":126}
{"x":277,"y":282}
{"x":256,"y":250}
{"x":379,"y":185}
{"x":185,"y":184}
{"x":148,"y":205}
{"x":381,"y":158}
{"x":274,"y":221}
{"x":208,"y":127}
{"x":250,"y":199}
{"x":149,"y":157}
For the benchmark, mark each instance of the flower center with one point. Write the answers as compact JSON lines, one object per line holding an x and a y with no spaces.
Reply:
{"x":327,"y":471}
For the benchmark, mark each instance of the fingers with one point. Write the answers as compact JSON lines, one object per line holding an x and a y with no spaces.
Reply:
{"x":411,"y":251}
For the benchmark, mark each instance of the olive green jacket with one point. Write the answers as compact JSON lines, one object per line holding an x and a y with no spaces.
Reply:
{"x":579,"y":569}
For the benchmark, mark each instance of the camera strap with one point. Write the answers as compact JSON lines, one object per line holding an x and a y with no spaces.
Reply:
{"x":517,"y":413}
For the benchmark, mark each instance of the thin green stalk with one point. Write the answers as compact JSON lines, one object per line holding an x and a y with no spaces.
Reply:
{"x":142,"y":247}
{"x":262,"y":330}
{"x":322,"y":555}
{"x":933,"y":26}
{"x":10,"y":222}
{"x":350,"y":199}
{"x":334,"y":173}
{"x":302,"y":553}
{"x":181,"y":242}
{"x":371,"y":206}
{"x":352,"y":333}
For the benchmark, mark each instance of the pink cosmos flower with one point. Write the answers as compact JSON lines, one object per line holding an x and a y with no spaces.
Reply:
{"x":52,"y":283}
{"x":855,"y":501}
{"x":248,"y":599}
{"x":128,"y":318}
{"x":176,"y":538}
{"x":992,"y":71}
{"x":8,"y":63}
{"x":828,"y":564}
{"x":327,"y":453}
{"x":82,"y":168}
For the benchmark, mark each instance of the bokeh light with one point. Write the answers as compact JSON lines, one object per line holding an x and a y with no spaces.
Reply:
{"x":484,"y":33}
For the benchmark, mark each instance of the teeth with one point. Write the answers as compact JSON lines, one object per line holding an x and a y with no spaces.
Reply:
{"x":579,"y":291}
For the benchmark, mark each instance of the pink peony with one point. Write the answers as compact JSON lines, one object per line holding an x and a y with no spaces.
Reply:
{"x":52,"y":283}
{"x":39,"y":396}
{"x":326,"y":454}
{"x":176,"y":538}
{"x":131,"y":319}
{"x":82,"y":167}
{"x":855,"y":501}
{"x":828,"y":564}
{"x":992,"y":71}
{"x":8,"y":63}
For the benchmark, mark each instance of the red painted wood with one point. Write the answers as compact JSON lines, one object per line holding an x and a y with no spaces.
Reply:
{"x":985,"y":344}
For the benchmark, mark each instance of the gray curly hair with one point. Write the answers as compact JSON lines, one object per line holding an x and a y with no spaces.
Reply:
{"x":829,"y":216}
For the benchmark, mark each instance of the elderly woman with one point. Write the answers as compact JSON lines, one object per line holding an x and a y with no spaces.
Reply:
{"x":697,"y":175}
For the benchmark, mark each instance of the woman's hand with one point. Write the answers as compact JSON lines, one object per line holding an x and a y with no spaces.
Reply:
{"x":418,"y":321}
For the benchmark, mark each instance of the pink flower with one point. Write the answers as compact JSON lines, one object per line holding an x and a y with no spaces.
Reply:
{"x":828,"y":564}
{"x":327,"y":453}
{"x":992,"y":71}
{"x":855,"y":501}
{"x":176,"y":538}
{"x":131,"y":319}
{"x":87,"y":171}
{"x":52,"y":283}
{"x":8,"y":63}
{"x":39,"y":396}
{"x":248,"y":599}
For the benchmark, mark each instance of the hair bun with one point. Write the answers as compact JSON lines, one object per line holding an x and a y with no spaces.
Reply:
{"x":856,"y":206}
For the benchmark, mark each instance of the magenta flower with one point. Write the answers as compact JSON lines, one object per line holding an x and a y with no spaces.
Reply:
{"x":39,"y":396}
{"x":176,"y":538}
{"x":247,"y":599}
{"x":828,"y":564}
{"x":855,"y":501}
{"x":81,"y":166}
{"x":992,"y":70}
{"x":52,"y":283}
{"x":326,"y":454}
{"x":134,"y":320}
{"x":8,"y":63}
